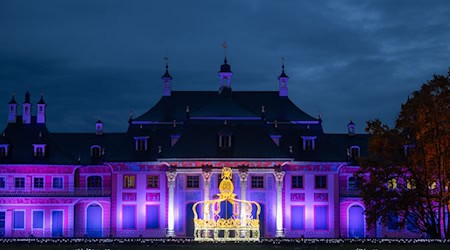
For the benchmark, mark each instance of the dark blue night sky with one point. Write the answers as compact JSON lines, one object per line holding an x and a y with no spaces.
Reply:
{"x":346,"y":60}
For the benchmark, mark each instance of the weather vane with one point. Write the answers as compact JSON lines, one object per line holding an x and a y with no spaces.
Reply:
{"x":224,"y":45}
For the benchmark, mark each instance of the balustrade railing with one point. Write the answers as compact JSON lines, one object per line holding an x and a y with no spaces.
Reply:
{"x":74,"y":192}
{"x":350,"y":193}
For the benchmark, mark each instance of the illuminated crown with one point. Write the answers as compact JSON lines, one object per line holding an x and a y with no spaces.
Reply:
{"x":240,"y":225}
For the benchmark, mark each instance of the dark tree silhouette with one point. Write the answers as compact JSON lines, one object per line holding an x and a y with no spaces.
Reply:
{"x":407,"y":172}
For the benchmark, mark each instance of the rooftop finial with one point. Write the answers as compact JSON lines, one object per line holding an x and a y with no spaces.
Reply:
{"x":224,"y":45}
{"x":282,"y":63}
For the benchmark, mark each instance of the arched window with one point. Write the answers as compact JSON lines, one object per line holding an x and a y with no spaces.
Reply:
{"x":96,"y":151}
{"x":39,"y":150}
{"x":3,"y":150}
{"x":354,"y":151}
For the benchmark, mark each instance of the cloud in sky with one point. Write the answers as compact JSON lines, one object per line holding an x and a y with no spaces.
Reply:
{"x":346,"y":59}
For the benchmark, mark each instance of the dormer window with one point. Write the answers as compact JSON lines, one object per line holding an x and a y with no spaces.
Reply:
{"x":354,"y":151}
{"x":39,"y":150}
{"x":4,"y":150}
{"x":96,"y":151}
{"x":225,"y":141}
{"x":141,"y":143}
{"x":276,"y":139}
{"x":309,"y":143}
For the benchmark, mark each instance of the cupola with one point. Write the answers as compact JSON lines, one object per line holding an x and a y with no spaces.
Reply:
{"x":26,"y":113}
{"x":41,"y":110}
{"x":99,"y":127}
{"x":351,"y":128}
{"x":225,"y":75}
{"x":12,"y":113}
{"x":283,"y":81}
{"x":167,"y":80}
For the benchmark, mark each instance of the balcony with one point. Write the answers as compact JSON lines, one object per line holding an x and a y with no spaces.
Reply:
{"x":350,"y":193}
{"x":74,"y":192}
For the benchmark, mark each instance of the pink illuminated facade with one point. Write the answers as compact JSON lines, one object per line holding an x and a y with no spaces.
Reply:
{"x":143,"y":182}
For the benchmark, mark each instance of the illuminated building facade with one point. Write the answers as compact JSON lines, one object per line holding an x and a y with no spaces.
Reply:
{"x":144,"y":182}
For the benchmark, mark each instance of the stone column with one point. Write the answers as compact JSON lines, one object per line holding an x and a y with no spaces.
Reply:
{"x":171,"y":177}
{"x":279,"y":176}
{"x":243,"y":176}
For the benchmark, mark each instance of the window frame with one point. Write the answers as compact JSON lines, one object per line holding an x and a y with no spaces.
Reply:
{"x":62,"y":182}
{"x":261,"y":179}
{"x":153,"y":181}
{"x":141,"y":143}
{"x":96,"y":151}
{"x":24,"y":219}
{"x":358,"y":150}
{"x":302,"y":186}
{"x":4,"y":148}
{"x":316,"y":186}
{"x":225,"y":141}
{"x":32,"y":219}
{"x":197,"y":181}
{"x":133,"y":181}
{"x":39,"y":150}
{"x":34,"y":182}
{"x":309,"y":143}
{"x":19,"y":178}
{"x":4,"y":182}
{"x":88,"y":182}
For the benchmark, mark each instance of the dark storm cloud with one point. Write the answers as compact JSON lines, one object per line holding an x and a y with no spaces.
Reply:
{"x":346,"y":59}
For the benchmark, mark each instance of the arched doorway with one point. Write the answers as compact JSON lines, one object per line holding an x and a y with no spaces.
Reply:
{"x":189,"y":220}
{"x":356,"y":224}
{"x":94,"y":221}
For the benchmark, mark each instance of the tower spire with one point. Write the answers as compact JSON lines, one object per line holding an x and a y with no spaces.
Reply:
{"x":283,"y":80}
{"x":225,"y":73}
{"x":167,"y":79}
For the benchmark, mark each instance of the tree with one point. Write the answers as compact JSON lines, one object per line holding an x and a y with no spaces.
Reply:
{"x":407,"y":172}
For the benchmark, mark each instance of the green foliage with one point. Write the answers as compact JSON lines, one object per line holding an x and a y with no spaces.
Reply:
{"x":416,"y":154}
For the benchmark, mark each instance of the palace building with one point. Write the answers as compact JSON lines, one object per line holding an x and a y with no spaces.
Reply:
{"x":144,"y":182}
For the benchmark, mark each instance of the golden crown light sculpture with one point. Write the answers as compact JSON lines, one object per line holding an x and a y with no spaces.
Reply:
{"x":239,"y":226}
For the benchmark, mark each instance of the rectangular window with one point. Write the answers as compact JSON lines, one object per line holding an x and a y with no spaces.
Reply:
{"x":321,"y":217}
{"x":19,"y":220}
{"x":193,"y":182}
{"x":129,"y":181}
{"x":3,"y":151}
{"x":152,"y":181}
{"x":298,"y":217}
{"x":392,"y":221}
{"x":152,"y":216}
{"x":129,"y":217}
{"x":321,"y":181}
{"x":38,"y":219}
{"x":19,"y":182}
{"x":94,"y":182}
{"x":38,"y":182}
{"x":225,"y":141}
{"x":257,"y":181}
{"x":2,"y":182}
{"x":57,"y":182}
{"x":297,"y":181}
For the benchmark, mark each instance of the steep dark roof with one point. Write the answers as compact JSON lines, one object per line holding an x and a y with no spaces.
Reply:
{"x":27,"y":97}
{"x":41,"y":101}
{"x":212,"y":104}
{"x":225,"y":67}
{"x":21,"y":138}
{"x":13,"y":101}
{"x":249,"y":140}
